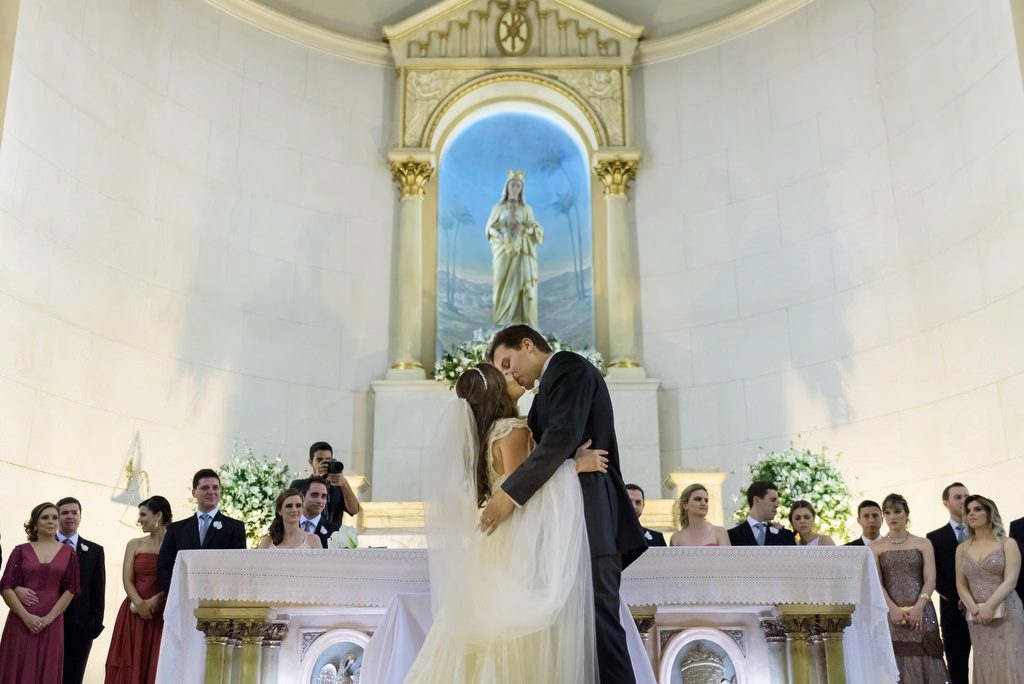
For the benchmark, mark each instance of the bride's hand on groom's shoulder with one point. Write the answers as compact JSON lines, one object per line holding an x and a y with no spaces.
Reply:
{"x":591,"y":460}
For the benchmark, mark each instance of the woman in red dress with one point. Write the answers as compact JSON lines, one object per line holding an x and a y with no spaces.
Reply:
{"x":135,"y":644}
{"x":32,"y":646}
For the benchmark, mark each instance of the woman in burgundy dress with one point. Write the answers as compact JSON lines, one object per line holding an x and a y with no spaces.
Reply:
{"x":32,"y":646}
{"x":135,"y":644}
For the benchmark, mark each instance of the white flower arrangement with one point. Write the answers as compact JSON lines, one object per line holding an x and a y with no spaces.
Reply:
{"x":344,"y":538}
{"x":462,"y":357}
{"x":248,"y":486}
{"x":813,"y":477}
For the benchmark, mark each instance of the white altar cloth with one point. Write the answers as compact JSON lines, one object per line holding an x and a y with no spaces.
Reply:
{"x":678,"y":576}
{"x":754,"y":575}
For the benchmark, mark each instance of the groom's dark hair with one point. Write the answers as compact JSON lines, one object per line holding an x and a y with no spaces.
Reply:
{"x":513,"y":336}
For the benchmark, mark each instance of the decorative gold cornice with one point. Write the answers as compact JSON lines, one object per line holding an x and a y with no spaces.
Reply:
{"x":412,"y":176}
{"x":616,"y":175}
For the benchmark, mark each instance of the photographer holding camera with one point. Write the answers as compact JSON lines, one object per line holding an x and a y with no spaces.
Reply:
{"x":340,"y":495}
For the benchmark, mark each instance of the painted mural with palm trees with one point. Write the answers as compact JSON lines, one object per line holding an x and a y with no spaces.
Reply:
{"x":471,"y":178}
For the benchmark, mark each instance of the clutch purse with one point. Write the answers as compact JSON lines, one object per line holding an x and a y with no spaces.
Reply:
{"x":998,"y":614}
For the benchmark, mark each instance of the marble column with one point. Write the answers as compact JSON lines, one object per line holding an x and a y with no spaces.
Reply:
{"x":775,"y":635}
{"x":411,"y":173}
{"x":814,"y":641}
{"x":616,"y":174}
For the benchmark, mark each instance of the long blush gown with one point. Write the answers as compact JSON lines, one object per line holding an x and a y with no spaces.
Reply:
{"x":999,"y":645}
{"x":135,"y":644}
{"x":27,"y":658}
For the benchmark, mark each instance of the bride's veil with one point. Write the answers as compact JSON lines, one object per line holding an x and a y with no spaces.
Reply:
{"x":530,"y":581}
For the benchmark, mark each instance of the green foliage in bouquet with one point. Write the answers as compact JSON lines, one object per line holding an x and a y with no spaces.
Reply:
{"x":804,"y":474}
{"x":458,"y":359}
{"x":249,"y":484}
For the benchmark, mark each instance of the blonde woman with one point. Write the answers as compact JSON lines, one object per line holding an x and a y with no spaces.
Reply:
{"x":987,"y":566}
{"x":694,"y":529}
{"x":801,"y":519}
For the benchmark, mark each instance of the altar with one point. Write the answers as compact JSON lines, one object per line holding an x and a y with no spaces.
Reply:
{"x":753,"y":615}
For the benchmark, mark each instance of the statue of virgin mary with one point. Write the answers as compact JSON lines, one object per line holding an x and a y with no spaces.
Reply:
{"x":514,"y":235}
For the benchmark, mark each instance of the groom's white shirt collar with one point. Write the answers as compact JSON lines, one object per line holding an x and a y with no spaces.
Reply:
{"x":753,"y":523}
{"x":316,"y":521}
{"x":545,"y":366}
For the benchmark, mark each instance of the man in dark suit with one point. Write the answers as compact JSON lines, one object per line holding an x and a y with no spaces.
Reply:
{"x":341,"y":498}
{"x":314,"y":499}
{"x":869,"y":517}
{"x":757,"y":530}
{"x":956,"y":637}
{"x":1017,"y":532}
{"x":207,"y":529}
{"x":573,"y":406}
{"x":636,"y":497}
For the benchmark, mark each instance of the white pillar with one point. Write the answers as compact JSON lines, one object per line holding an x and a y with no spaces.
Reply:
{"x":616,"y":174}
{"x":412,"y":175}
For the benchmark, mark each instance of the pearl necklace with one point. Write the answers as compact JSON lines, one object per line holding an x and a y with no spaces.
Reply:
{"x":901,"y":541}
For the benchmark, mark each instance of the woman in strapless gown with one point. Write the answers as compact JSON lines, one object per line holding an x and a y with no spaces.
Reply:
{"x":285,"y":532}
{"x":694,"y":529}
{"x":135,"y":643}
{"x":906,"y":563}
{"x":987,"y":566}
{"x":516,"y":606}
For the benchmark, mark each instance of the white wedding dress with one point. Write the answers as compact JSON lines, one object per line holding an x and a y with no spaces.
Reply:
{"x":516,"y":606}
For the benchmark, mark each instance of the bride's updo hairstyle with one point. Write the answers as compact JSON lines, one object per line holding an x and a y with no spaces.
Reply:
{"x":483,"y":387}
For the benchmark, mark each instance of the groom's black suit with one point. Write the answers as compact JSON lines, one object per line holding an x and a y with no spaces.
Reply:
{"x":573,"y":405}
{"x":183,"y":535}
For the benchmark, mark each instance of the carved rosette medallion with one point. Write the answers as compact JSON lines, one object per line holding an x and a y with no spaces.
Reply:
{"x":616,"y":175}
{"x":411,"y":176}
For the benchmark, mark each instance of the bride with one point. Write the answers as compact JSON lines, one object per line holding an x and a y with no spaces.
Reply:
{"x":516,"y":606}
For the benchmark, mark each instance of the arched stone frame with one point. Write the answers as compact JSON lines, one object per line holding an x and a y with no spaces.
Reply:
{"x":690,"y":635}
{"x":326,"y":641}
{"x":522,"y":92}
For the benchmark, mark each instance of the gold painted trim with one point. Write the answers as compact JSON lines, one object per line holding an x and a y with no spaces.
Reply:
{"x":394,"y":32}
{"x":719,"y":31}
{"x":407,"y":365}
{"x":412,"y":176}
{"x":491,"y":79}
{"x":624,"y":363}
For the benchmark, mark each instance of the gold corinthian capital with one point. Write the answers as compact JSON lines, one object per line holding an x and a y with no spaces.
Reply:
{"x":411,"y":176}
{"x":616,"y":175}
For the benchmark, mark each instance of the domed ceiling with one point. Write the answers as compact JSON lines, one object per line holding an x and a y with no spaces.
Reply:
{"x":364,"y":18}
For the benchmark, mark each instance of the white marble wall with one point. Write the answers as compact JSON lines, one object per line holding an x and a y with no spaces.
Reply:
{"x":829,"y":218}
{"x":195,"y":238}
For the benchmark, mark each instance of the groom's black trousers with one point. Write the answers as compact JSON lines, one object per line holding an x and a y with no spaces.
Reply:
{"x":613,"y":665}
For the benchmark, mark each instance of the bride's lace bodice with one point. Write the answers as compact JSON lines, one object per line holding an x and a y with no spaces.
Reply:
{"x":502,"y":427}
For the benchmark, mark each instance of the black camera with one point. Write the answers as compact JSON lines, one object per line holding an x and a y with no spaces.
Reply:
{"x":335,"y":467}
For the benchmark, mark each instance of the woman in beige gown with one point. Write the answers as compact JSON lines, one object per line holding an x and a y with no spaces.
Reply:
{"x":987,"y":565}
{"x":906,"y":563}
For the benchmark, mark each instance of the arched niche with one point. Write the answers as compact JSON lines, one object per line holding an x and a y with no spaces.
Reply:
{"x":511,"y":94}
{"x":327,"y":642}
{"x":683,"y":641}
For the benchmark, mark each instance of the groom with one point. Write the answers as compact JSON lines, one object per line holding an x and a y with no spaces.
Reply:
{"x":573,"y":406}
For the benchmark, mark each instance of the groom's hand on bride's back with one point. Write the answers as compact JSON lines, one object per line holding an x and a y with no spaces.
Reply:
{"x":590,"y":460}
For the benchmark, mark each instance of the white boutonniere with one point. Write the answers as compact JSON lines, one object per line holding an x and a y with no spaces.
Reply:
{"x":85,"y":547}
{"x":323,"y":530}
{"x":647,"y":535}
{"x":345,"y":538}
{"x":218,"y":524}
{"x":773,"y":527}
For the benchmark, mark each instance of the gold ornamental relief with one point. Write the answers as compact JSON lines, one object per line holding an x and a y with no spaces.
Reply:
{"x":411,"y":176}
{"x":616,"y":175}
{"x":602,"y":90}
{"x":513,"y":32}
{"x":425,"y":89}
